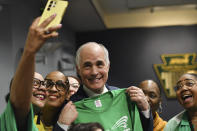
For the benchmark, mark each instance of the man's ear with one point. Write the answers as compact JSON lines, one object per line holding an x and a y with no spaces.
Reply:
{"x":108,"y":66}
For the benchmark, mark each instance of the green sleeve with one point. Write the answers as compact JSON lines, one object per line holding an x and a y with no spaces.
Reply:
{"x":8,"y":121}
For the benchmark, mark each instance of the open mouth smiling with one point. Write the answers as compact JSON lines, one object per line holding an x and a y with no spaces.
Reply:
{"x":40,"y":96}
{"x":187,"y":97}
{"x":95,"y":79}
{"x":53,"y":97}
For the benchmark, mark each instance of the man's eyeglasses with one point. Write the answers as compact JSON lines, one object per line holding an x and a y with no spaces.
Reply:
{"x":59,"y":85}
{"x":75,"y":85}
{"x":37,"y":83}
{"x":187,"y":82}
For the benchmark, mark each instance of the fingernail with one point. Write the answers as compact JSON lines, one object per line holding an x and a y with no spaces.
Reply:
{"x":60,"y":25}
{"x":54,"y":15}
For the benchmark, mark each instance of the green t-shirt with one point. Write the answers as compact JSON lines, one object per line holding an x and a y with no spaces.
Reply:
{"x":8,"y":121}
{"x":178,"y":123}
{"x":113,"y":110}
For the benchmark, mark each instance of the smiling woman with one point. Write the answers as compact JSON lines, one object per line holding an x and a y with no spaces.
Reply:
{"x":74,"y":85}
{"x":186,"y":91}
{"x":38,"y":92}
{"x":57,"y":87}
{"x":153,"y":94}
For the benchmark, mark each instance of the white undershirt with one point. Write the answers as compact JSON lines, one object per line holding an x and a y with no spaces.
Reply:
{"x":90,"y":93}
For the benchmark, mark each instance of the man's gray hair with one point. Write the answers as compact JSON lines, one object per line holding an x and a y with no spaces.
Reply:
{"x":77,"y":60}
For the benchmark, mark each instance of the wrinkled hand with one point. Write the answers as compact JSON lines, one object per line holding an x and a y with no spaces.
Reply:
{"x":37,"y":34}
{"x":68,"y":114}
{"x":136,"y":94}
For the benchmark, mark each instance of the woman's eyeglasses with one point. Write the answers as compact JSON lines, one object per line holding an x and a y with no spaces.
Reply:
{"x":37,"y":83}
{"x":187,"y":82}
{"x":59,"y":85}
{"x":75,"y":85}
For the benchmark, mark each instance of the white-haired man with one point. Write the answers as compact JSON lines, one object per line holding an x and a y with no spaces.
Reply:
{"x":92,"y":63}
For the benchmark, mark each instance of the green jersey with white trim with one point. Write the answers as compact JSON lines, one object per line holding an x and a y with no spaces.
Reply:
{"x":113,"y":110}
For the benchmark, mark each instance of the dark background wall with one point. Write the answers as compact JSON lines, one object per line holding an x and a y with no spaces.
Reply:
{"x":134,"y":51}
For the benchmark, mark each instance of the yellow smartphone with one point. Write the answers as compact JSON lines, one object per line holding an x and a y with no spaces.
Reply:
{"x":52,"y":7}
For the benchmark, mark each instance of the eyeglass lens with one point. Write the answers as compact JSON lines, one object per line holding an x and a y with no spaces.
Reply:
{"x":37,"y":83}
{"x":75,"y":85}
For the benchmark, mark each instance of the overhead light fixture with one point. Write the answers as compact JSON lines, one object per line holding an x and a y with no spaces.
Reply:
{"x":174,"y":7}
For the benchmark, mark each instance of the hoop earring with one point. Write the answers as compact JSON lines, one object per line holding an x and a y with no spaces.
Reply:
{"x":160,"y":108}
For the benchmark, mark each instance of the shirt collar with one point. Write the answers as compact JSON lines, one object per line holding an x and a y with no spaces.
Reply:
{"x":90,"y":93}
{"x":184,"y":120}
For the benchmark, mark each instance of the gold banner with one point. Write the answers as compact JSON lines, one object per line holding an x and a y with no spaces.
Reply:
{"x":174,"y":66}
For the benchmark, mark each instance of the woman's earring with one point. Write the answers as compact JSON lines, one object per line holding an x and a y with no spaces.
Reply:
{"x":160,"y":108}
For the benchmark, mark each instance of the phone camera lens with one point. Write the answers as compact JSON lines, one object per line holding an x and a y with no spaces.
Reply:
{"x":54,"y":4}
